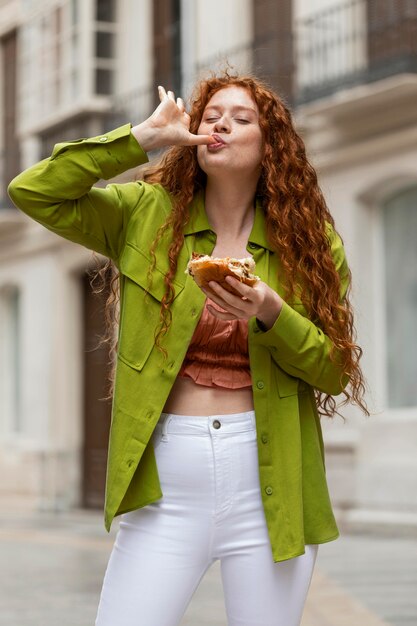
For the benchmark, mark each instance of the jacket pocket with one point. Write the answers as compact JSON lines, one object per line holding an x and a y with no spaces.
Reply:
{"x":287,"y":385}
{"x":140,"y":306}
{"x":134,"y":264}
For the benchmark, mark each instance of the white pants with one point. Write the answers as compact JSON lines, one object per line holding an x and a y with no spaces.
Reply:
{"x":211,"y":509}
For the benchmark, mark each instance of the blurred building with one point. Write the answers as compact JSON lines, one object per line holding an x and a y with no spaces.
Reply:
{"x":76,"y":68}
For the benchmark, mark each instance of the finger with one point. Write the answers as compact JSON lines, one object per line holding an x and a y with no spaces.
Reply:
{"x":200,"y":140}
{"x":220,"y":314}
{"x":161,"y":92}
{"x":231,"y":298}
{"x":171,"y":96}
{"x":180,"y":104}
{"x":225,"y":299}
{"x":221,"y":296}
{"x":210,"y":295}
{"x":244,"y":290}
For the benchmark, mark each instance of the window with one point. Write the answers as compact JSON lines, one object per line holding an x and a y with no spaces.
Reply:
{"x":67,"y":55}
{"x":105,"y":11}
{"x":104,"y":82}
{"x":49,"y":61}
{"x":9,"y":155}
{"x":105,"y":47}
{"x":10,"y":359}
{"x":400,"y":248}
{"x":167,"y":44}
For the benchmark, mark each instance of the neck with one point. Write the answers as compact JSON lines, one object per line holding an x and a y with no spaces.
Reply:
{"x":230,"y":210}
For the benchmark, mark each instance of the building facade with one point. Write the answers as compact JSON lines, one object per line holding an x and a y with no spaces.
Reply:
{"x":71,"y":69}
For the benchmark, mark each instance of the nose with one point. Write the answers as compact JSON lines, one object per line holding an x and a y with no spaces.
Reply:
{"x":222,"y":125}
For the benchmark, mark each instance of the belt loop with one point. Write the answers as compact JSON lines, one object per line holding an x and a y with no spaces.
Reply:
{"x":253,"y":418}
{"x":167,"y":419}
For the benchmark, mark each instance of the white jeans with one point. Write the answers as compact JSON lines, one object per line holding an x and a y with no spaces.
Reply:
{"x":211,"y":509}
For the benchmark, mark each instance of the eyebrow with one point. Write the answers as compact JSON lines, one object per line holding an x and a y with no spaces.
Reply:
{"x":238,"y":107}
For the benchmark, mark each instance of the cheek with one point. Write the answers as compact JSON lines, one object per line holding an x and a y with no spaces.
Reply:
{"x":257,"y":146}
{"x":200,"y":158}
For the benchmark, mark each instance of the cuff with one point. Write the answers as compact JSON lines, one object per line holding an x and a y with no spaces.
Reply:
{"x":288,"y":333}
{"x":114,"y":152}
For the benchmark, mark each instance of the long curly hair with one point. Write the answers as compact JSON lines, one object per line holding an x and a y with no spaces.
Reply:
{"x":295,"y":215}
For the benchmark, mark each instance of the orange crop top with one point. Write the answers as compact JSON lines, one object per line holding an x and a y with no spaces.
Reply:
{"x":218,"y":353}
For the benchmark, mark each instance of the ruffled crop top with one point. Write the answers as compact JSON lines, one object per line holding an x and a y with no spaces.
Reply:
{"x":218,"y":353}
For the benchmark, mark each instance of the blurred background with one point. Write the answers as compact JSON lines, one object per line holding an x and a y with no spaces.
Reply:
{"x":78,"y":68}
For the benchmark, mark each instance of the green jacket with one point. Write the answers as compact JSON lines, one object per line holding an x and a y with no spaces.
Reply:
{"x":287,"y":361}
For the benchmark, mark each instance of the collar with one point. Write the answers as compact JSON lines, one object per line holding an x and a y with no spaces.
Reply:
{"x":199,"y":222}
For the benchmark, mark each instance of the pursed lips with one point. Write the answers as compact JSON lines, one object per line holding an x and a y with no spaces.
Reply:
{"x":219,"y":142}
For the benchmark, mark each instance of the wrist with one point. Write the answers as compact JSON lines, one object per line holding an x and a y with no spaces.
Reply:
{"x":267,"y":318}
{"x":146,"y":136}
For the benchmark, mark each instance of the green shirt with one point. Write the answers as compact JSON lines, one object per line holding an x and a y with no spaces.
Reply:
{"x":287,"y":362}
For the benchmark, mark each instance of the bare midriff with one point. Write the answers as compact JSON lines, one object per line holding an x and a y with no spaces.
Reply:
{"x":188,"y":398}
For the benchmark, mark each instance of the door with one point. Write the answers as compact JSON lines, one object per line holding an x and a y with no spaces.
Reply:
{"x":97,"y":412}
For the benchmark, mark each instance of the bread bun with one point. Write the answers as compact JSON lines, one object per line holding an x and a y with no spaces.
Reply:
{"x":204,"y":268}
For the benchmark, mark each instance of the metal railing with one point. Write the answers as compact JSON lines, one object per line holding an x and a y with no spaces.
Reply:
{"x":139,"y":103}
{"x":352,"y":43}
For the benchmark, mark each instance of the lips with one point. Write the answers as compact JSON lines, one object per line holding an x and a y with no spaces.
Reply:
{"x":218,"y":139}
{"x":220,"y":143}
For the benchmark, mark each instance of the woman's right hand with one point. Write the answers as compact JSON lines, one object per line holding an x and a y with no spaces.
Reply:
{"x":168,"y":126}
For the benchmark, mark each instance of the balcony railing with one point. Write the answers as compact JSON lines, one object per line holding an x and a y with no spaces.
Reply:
{"x":352,"y":43}
{"x":139,"y":104}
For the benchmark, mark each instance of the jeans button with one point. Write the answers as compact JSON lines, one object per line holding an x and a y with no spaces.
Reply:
{"x":216,"y":424}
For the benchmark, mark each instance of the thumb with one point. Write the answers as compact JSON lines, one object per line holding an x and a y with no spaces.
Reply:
{"x":200,"y":140}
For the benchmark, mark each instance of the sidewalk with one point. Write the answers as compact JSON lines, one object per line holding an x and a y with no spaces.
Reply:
{"x":53,"y":566}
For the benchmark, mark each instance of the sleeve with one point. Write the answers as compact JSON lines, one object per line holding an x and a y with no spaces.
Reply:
{"x":58,"y":191}
{"x":298,"y":346}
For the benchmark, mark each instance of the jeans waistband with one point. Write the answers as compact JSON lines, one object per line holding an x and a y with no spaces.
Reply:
{"x":207,"y":424}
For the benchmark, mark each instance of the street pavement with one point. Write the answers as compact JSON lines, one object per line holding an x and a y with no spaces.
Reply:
{"x":52,"y":568}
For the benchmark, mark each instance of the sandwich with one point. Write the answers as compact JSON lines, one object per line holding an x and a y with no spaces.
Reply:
{"x":204,"y":268}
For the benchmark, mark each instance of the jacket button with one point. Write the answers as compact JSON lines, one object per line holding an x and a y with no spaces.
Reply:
{"x":260,"y":384}
{"x":103,"y":138}
{"x":268,"y":490}
{"x":129,"y":462}
{"x":253,"y":245}
{"x":216,"y":424}
{"x":193,"y":312}
{"x":264,"y":439}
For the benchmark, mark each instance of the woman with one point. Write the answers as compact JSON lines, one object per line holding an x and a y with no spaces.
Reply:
{"x":216,"y":449}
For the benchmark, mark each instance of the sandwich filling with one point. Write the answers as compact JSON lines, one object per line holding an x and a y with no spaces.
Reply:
{"x":242,"y":268}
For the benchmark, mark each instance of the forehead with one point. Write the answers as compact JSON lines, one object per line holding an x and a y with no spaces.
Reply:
{"x":233,"y":96}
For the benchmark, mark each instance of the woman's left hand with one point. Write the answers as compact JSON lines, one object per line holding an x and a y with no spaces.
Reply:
{"x":260,"y":301}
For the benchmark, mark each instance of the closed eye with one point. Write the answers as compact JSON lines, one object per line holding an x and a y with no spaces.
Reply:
{"x":213,"y":119}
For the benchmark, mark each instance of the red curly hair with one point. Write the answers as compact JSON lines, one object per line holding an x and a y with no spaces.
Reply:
{"x":295,"y":215}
